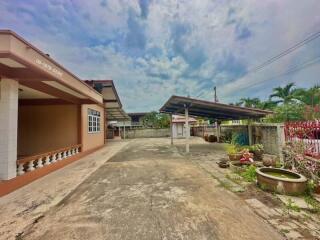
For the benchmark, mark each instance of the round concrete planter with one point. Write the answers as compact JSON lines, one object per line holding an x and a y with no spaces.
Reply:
{"x":289,"y":186}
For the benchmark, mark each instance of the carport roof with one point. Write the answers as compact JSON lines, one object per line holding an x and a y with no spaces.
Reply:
{"x":212,"y":110}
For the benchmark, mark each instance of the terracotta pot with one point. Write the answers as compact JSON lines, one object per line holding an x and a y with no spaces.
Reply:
{"x":235,"y":156}
{"x":317,"y":189}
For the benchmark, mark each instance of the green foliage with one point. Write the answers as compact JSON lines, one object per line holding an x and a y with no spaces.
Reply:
{"x":290,"y":206}
{"x":285,"y":94}
{"x":313,"y":203}
{"x":256,"y":147}
{"x":231,"y":149}
{"x":249,"y":174}
{"x":287,"y":112}
{"x":156,"y":120}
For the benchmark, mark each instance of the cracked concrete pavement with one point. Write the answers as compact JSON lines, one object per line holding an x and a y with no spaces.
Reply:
{"x":148,"y":190}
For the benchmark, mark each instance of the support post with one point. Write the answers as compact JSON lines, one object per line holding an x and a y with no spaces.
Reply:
{"x":171,"y":129}
{"x":280,"y":140}
{"x":124,"y":130}
{"x":9,"y":89}
{"x":186,"y":112}
{"x":218,"y":130}
{"x":250,"y":133}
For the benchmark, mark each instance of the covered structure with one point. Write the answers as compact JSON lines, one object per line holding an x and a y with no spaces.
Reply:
{"x":211,"y":110}
{"x":47,"y":113}
{"x":111,"y":101}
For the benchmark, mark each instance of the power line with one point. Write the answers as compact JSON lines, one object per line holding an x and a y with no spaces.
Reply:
{"x":278,"y":56}
{"x":293,"y":69}
{"x":285,"y":52}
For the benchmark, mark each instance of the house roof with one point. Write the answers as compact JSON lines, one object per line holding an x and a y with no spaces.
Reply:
{"x":212,"y":110}
{"x":111,"y":99}
{"x":36,"y":70}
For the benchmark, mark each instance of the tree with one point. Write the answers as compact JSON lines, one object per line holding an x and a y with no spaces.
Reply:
{"x":309,"y":96}
{"x":285,"y":94}
{"x":156,"y":120}
{"x":250,"y":102}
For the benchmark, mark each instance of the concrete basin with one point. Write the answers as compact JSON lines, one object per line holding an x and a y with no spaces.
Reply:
{"x":281,"y":181}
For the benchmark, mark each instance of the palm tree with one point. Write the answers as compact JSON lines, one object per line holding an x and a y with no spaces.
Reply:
{"x":309,"y":96}
{"x":267,"y":105}
{"x":250,"y":102}
{"x":285,"y":94}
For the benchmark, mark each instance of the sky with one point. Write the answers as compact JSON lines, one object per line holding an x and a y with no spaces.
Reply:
{"x":155,"y":49}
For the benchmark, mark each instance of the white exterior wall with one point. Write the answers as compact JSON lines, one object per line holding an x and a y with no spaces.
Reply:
{"x":8,"y":127}
{"x":178,"y":130}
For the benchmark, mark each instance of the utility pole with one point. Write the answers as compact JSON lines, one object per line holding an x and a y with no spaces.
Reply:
{"x":215,"y":94}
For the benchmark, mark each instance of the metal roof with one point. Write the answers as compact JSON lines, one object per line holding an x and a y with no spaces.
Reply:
{"x":212,"y":110}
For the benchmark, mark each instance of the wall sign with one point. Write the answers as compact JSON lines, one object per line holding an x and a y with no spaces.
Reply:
{"x":48,"y":67}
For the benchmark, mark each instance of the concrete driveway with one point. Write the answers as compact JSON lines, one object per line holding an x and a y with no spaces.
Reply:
{"x":150,"y":190}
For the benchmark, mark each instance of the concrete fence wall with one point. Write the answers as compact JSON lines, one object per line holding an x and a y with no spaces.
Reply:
{"x":147,"y":133}
{"x":270,"y":135}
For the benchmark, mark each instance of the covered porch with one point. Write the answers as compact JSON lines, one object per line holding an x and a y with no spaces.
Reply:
{"x":43,"y":107}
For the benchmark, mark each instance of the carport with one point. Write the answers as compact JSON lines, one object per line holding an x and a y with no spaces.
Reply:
{"x":210,"y":110}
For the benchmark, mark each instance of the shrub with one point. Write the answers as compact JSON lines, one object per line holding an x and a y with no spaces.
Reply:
{"x":249,"y":174}
{"x":231,"y":149}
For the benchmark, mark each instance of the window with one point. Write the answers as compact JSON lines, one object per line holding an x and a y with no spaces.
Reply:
{"x":235,"y":121}
{"x":93,"y":121}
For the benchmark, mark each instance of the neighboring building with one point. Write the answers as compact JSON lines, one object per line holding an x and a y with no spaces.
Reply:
{"x":47,"y":114}
{"x":137,"y":119}
{"x":235,"y":122}
{"x":178,"y":125}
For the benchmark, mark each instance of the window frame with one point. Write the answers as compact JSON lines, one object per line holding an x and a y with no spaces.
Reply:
{"x":94,"y":121}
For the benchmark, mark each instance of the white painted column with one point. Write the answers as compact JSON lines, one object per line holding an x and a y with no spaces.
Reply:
{"x":124,"y":130}
{"x":186,"y":113}
{"x":9,"y":89}
{"x":250,"y":136}
{"x":218,"y":130}
{"x":171,"y":129}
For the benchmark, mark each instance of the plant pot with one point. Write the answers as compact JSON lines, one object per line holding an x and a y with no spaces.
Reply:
{"x":317,"y":189}
{"x":235,"y":156}
{"x":257,"y":155}
{"x":223,"y":164}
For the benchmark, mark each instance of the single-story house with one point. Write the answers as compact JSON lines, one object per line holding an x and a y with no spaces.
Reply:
{"x":178,"y":125}
{"x":47,"y":114}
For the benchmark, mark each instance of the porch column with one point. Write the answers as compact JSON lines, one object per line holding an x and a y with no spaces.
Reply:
{"x":186,"y":112}
{"x":124,"y":130}
{"x":9,"y":89}
{"x":218,"y":130}
{"x":171,"y":129}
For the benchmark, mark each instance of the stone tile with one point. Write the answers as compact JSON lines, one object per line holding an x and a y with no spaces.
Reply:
{"x":298,"y":201}
{"x":294,"y":235}
{"x":255,"y":203}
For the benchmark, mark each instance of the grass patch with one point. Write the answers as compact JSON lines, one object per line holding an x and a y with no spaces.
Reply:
{"x":249,"y":174}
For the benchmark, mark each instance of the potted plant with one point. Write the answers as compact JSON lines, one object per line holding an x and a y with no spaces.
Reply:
{"x":257,"y":150}
{"x":212,"y":138}
{"x":206,"y":137}
{"x":233,"y":153}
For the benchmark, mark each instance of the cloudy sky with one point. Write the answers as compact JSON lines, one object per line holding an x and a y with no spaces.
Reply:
{"x":154,"y":49}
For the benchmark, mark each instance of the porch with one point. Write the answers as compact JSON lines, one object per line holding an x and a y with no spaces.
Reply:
{"x":45,"y":110}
